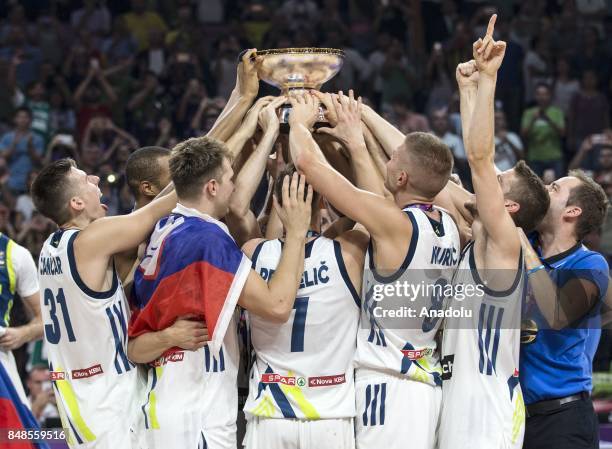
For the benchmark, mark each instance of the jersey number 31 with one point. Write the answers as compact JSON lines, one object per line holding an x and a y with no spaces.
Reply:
{"x":53,"y":331}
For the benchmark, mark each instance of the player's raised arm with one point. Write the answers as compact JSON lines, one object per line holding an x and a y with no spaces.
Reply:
{"x":467,"y":80}
{"x":241,"y":219}
{"x":361,"y":206}
{"x":388,"y":135}
{"x":274,"y":300}
{"x":497,"y":221}
{"x":349,"y":133}
{"x":243,"y":95}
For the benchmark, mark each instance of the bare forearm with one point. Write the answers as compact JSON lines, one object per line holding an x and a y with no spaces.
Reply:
{"x":107,"y":88}
{"x":480,"y":139}
{"x":251,"y":173}
{"x":236,"y":142}
{"x":33,"y":330}
{"x":388,"y":135}
{"x":467,"y":99}
{"x":365,"y":174}
{"x":147,"y":347}
{"x":286,"y":278}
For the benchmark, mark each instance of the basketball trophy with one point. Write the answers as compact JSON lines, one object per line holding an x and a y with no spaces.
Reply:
{"x":296,"y":70}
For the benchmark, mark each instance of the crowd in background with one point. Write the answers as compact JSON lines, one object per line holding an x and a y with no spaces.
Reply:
{"x":94,"y":80}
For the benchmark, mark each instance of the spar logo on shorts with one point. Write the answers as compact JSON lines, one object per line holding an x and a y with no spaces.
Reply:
{"x":57,"y":375}
{"x":273,"y":378}
{"x":415,"y":354}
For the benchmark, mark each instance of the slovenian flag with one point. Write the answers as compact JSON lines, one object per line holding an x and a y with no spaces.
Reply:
{"x":192,"y":266}
{"x":15,"y":415}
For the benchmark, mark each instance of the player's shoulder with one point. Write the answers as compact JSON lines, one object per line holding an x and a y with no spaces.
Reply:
{"x":249,"y":247}
{"x":354,"y":242}
{"x":586,"y":259}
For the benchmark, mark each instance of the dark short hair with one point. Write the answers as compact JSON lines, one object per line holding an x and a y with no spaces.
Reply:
{"x":592,"y":199}
{"x":530,"y":193}
{"x":431,"y":163}
{"x":543,"y":84}
{"x":289,"y":170}
{"x":51,"y":191}
{"x":194,"y":162}
{"x":23,"y":109}
{"x":143,"y":165}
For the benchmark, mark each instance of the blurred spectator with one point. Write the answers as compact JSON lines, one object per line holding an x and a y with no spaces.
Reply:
{"x":377,"y":61}
{"x":356,"y":69}
{"x":224,"y":66}
{"x":22,"y":149}
{"x":510,"y":78}
{"x":141,"y":22}
{"x":26,"y":57}
{"x":588,"y":155}
{"x":536,"y":67}
{"x":210,"y":11}
{"x":398,"y":75}
{"x":88,"y":96}
{"x":508,"y":145}
{"x":93,"y":17}
{"x":405,"y":118}
{"x":299,"y":12}
{"x":187,"y":32}
{"x":120,"y":45}
{"x":565,"y":86}
{"x":440,"y":125}
{"x":589,"y":111}
{"x":41,"y":395}
{"x":542,"y":129}
{"x":38,"y":105}
{"x":440,"y":87}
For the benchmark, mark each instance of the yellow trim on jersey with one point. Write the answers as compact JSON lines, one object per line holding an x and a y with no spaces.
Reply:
{"x":12,"y":280}
{"x":65,"y":423}
{"x":518,"y":417}
{"x":9,"y":266}
{"x":69,"y":398}
{"x":298,"y":396}
{"x":153,"y":401}
{"x":265,"y":408}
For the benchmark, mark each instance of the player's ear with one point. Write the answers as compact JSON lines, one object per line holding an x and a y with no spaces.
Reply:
{"x":572,"y":211}
{"x":402,"y":179}
{"x":147,"y":189}
{"x":77,"y":203}
{"x":512,"y":206}
{"x":211,"y":187}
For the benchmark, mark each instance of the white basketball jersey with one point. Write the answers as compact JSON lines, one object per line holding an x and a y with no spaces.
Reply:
{"x":190,"y":393}
{"x":482,"y":402}
{"x":86,"y":341}
{"x":304,"y":368}
{"x":404,"y":344}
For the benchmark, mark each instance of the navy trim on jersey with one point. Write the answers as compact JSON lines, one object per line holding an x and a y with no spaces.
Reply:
{"x":256,"y":253}
{"x":308,"y":247}
{"x":344,"y":273}
{"x":77,"y":278}
{"x":558,"y":257}
{"x":409,"y":255}
{"x":489,"y":291}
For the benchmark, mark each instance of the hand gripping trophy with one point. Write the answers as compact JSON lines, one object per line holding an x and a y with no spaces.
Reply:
{"x":295,"y":70}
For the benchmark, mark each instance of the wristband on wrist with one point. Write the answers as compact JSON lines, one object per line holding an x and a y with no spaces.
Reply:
{"x":533,"y":270}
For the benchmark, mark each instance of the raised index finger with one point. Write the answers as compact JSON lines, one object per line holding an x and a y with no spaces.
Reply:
{"x":491,"y":25}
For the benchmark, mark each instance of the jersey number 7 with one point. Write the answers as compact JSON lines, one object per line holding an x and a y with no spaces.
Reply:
{"x":299,"y":324}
